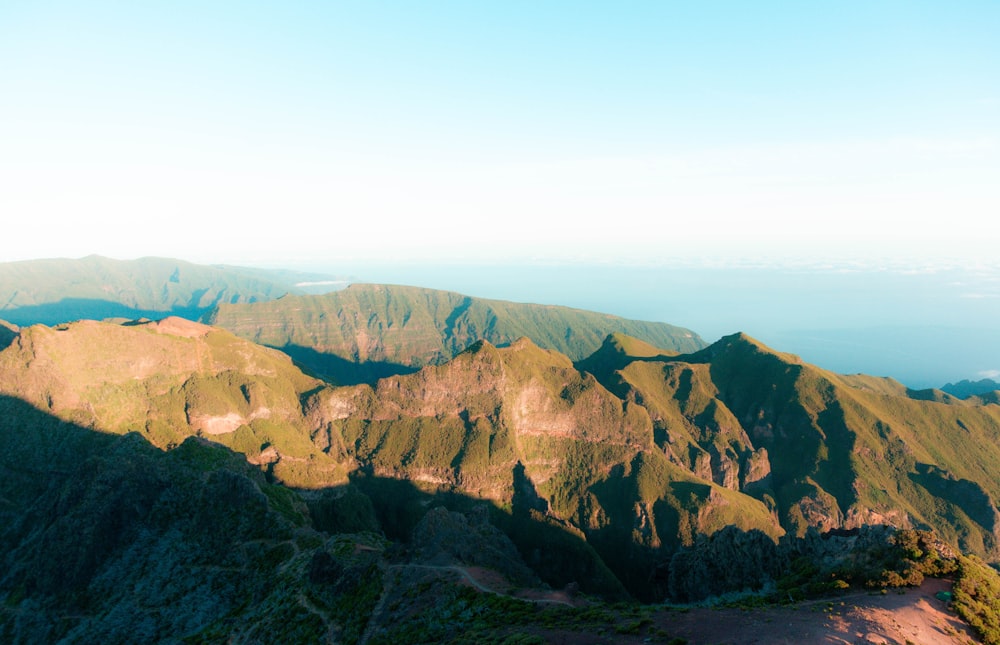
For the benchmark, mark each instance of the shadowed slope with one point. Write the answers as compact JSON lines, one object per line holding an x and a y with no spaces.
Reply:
{"x":107,"y":539}
{"x":8,"y":333}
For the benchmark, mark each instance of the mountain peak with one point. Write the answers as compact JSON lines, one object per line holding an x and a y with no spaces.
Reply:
{"x":176,"y":326}
{"x":634,"y":347}
{"x":742,"y":342}
{"x":617,"y":351}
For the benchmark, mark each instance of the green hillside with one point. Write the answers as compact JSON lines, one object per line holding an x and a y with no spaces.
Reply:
{"x":522,"y":427}
{"x":518,"y":426}
{"x":825,"y":450}
{"x":107,"y":539}
{"x":365,"y":332}
{"x":63,"y":290}
{"x":170,"y":380}
{"x":611,"y":481}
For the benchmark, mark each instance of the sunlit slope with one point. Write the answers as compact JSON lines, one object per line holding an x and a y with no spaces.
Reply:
{"x":521,"y":426}
{"x":368,"y":331}
{"x":825,"y":450}
{"x":170,"y":380}
{"x":632,"y":464}
{"x":62,"y":290}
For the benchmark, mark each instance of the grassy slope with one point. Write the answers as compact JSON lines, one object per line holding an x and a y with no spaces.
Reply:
{"x":415,"y":327}
{"x":106,"y":538}
{"x":171,"y":380}
{"x":668,"y":448}
{"x":521,"y":426}
{"x":843,"y":450}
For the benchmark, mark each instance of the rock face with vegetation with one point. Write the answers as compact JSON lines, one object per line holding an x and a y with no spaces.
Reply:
{"x":169,"y":380}
{"x":365,"y":332}
{"x":193,"y":466}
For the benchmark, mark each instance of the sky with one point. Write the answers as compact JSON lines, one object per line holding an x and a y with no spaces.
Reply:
{"x":279,"y":133}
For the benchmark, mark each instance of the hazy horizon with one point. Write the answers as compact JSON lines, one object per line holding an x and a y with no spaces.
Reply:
{"x":534,"y":152}
{"x":922,"y":328}
{"x":517,"y":133}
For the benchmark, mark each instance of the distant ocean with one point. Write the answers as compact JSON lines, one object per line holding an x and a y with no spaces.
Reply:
{"x":923,"y":327}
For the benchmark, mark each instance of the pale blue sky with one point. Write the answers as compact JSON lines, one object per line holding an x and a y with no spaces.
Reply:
{"x":267,"y":133}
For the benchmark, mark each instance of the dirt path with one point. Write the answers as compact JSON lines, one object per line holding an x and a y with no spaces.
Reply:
{"x":895,"y":618}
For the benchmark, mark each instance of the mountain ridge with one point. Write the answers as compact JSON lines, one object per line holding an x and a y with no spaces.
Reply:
{"x":59,"y":290}
{"x":637,"y":463}
{"x":365,"y":332}
{"x":967,"y":388}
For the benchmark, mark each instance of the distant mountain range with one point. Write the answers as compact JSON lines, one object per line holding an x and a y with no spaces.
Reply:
{"x":63,"y":290}
{"x":965,"y":389}
{"x":354,"y":335}
{"x":173,"y":479}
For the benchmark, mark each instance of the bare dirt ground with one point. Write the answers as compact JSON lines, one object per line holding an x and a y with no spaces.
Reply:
{"x":896,"y":618}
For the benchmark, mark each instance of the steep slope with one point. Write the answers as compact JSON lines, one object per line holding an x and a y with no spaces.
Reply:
{"x":365,"y":332}
{"x":105,"y":538}
{"x":575,"y":466}
{"x":62,"y":290}
{"x":170,"y":380}
{"x":521,"y":426}
{"x":606,"y":482}
{"x":824,"y":450}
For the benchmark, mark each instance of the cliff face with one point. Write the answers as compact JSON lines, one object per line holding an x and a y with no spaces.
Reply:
{"x":522,"y":427}
{"x":822,"y":450}
{"x":470,"y":421}
{"x":649,"y":453}
{"x":170,"y":380}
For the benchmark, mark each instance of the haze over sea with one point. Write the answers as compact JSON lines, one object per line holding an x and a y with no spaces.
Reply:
{"x":588,"y":154}
{"x":922,"y":325}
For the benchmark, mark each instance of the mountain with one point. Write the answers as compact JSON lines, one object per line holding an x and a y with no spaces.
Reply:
{"x":175,"y":480}
{"x":365,"y":332}
{"x":824,"y":450}
{"x":170,"y":380}
{"x":966,"y":388}
{"x":493,"y":424}
{"x":522,"y":427}
{"x":107,"y":539}
{"x":62,"y":290}
{"x":635,"y":461}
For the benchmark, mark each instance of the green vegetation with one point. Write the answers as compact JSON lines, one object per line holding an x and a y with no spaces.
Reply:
{"x":977,"y":597}
{"x":347,"y":335}
{"x":447,"y":613}
{"x":732,"y":469}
